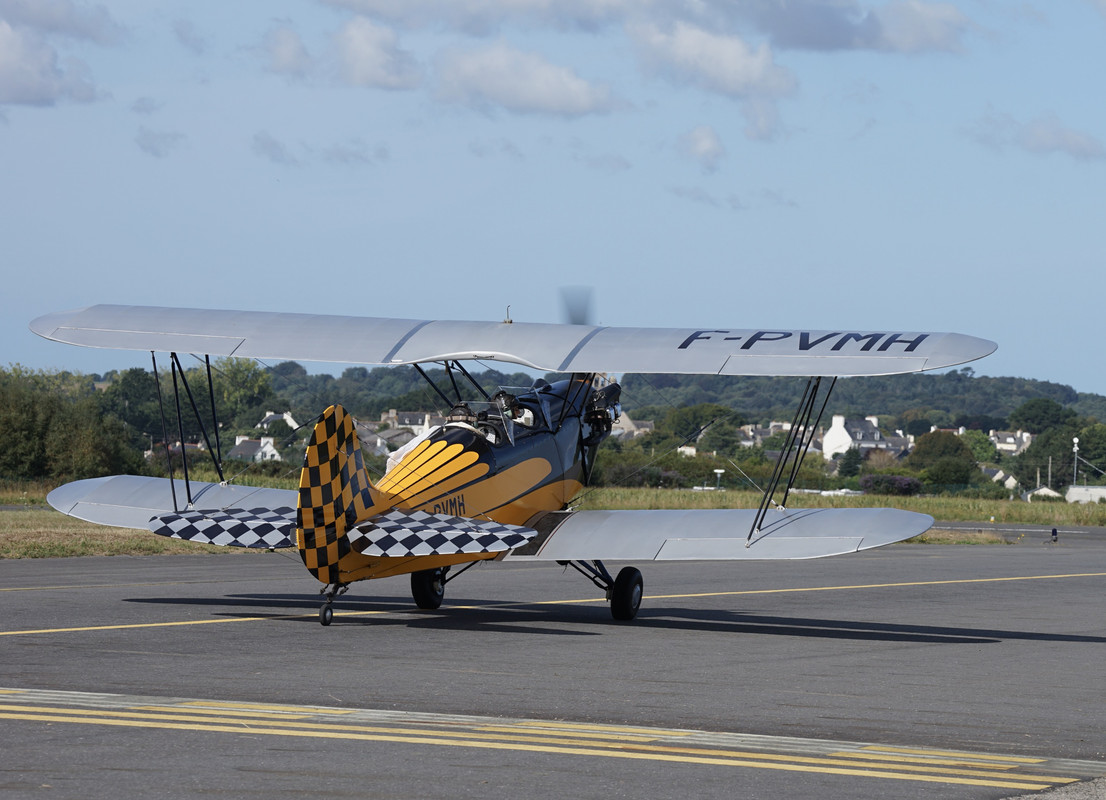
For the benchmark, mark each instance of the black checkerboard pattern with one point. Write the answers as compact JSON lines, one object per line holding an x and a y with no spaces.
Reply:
{"x":398,"y":534}
{"x":261,"y":528}
{"x":334,"y":494}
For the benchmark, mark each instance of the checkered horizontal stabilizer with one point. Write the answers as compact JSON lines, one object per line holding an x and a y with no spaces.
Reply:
{"x":260,"y":528}
{"x":399,"y":534}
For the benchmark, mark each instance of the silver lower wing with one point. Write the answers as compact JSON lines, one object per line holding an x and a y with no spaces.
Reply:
{"x":716,"y":534}
{"x":134,"y":501}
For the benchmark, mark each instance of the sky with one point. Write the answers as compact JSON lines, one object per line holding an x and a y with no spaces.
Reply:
{"x":798,"y":164}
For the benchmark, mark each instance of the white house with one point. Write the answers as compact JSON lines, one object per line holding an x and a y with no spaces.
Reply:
{"x":843,"y":435}
{"x":247,"y":449}
{"x":1010,"y":443}
{"x":273,"y":416}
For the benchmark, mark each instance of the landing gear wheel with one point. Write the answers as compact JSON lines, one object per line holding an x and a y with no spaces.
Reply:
{"x":428,"y":587}
{"x":626,"y":594}
{"x":326,"y":614}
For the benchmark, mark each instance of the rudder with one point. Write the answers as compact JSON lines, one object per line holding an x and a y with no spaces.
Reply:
{"x":335,"y":494}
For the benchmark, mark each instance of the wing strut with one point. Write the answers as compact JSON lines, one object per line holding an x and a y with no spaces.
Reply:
{"x":179,"y":379}
{"x":795,"y":448}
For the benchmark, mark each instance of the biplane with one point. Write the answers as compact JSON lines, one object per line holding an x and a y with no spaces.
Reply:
{"x":496,"y":481}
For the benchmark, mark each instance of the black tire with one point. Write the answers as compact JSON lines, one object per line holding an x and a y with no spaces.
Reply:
{"x":626,"y":594}
{"x":428,"y":588}
{"x":326,"y":614}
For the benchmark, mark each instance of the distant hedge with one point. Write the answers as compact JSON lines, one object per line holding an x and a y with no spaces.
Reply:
{"x":890,"y":484}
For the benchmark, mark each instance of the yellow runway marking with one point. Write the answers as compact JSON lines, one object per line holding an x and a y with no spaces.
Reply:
{"x":948,"y":753}
{"x":948,"y":762}
{"x":406,"y":610}
{"x":875,"y":586}
{"x":533,"y":736}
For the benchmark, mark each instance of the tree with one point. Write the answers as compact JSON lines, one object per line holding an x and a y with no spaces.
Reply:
{"x":933,"y":447}
{"x":54,"y":425}
{"x":722,"y":437}
{"x":686,"y":422}
{"x":1040,"y":414}
{"x":949,"y":472}
{"x":242,"y":387}
{"x":848,"y":464}
{"x":983,"y":449}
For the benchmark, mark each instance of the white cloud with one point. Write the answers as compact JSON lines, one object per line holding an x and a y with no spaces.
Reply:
{"x":286,"y":52}
{"x":1049,"y":135}
{"x":269,"y":147}
{"x":370,"y":56}
{"x":30,"y":73}
{"x":722,"y":64}
{"x":908,"y":26}
{"x":64,"y":18}
{"x":158,"y":144}
{"x":189,"y":36}
{"x":502,"y":76}
{"x":719,"y":63}
{"x":1040,"y":136}
{"x":484,"y":17}
{"x":703,"y":145}
{"x":911,"y":26}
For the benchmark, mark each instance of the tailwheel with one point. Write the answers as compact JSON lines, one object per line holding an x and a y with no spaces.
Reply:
{"x":428,"y":587}
{"x":626,"y":594}
{"x":326,"y":610}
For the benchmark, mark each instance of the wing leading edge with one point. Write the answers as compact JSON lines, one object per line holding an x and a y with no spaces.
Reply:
{"x":550,"y":347}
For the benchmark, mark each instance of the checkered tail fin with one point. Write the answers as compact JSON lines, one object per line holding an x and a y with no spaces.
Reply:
{"x":335,"y":494}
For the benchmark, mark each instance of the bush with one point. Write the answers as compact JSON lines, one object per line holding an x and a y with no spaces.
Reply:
{"x":901,"y":485}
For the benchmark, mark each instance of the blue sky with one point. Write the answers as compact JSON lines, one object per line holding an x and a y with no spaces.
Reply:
{"x":840,"y":164}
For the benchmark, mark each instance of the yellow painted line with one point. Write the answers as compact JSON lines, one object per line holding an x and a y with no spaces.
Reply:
{"x":128,"y":584}
{"x":231,"y":713}
{"x":436,"y":739}
{"x":406,"y":610}
{"x":213,"y":704}
{"x":582,"y":734}
{"x":462,"y":737}
{"x":953,"y":754}
{"x":528,"y":738}
{"x":870,"y":586}
{"x":612,"y":728}
{"x":948,"y":762}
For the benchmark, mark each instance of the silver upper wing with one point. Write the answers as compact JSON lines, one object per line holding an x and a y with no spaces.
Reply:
{"x":550,"y":347}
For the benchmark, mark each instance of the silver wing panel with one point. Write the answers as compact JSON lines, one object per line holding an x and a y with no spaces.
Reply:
{"x":131,"y":501}
{"x":563,"y":348}
{"x":717,"y":534}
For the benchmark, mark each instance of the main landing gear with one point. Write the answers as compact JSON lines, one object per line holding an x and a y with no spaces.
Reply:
{"x":624,"y":592}
{"x":428,"y":587}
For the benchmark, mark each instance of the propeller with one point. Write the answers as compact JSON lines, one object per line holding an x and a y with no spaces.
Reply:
{"x":576,"y":305}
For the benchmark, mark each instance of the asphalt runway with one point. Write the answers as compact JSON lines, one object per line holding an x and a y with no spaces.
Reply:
{"x":910,"y":671}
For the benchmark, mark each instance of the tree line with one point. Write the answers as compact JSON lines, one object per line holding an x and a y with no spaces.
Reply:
{"x":65,"y":426}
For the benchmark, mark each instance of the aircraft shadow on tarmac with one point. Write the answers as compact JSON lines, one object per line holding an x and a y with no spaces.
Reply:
{"x":466,"y":614}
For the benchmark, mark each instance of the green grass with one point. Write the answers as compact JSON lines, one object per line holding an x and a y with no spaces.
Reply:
{"x":946,"y":509}
{"x":39,"y":532}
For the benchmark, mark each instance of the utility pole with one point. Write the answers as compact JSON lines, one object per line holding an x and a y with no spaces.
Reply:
{"x":1075,"y":461}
